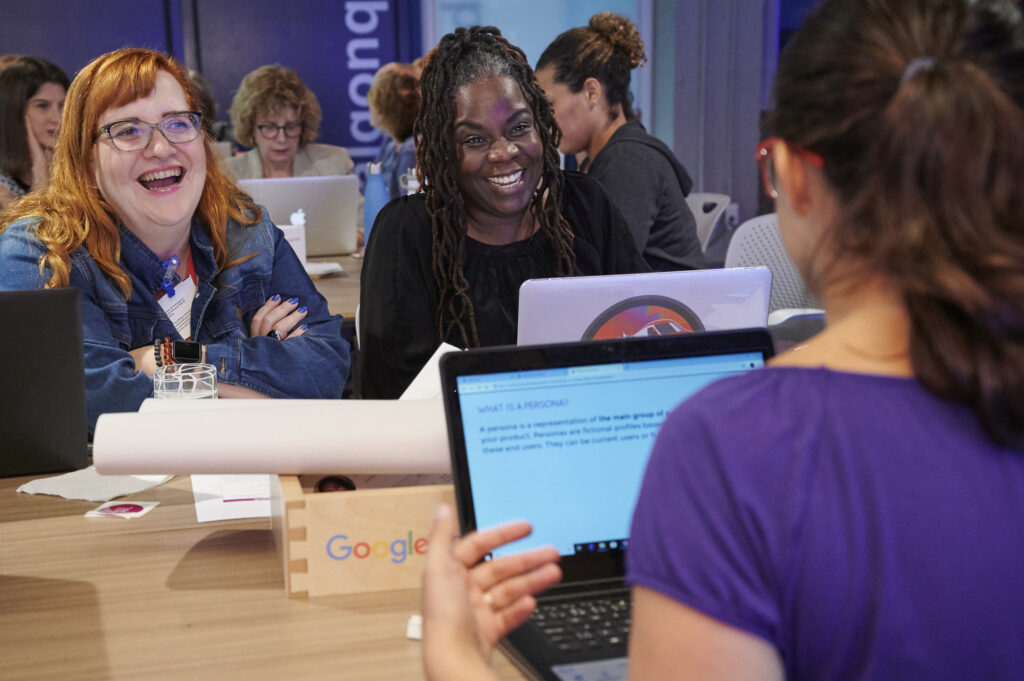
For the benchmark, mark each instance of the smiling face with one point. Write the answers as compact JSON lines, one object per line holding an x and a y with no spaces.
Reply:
{"x":572,"y":112}
{"x":42,"y":113}
{"x":499,"y":151}
{"x":280,"y":149}
{"x":155,"y":190}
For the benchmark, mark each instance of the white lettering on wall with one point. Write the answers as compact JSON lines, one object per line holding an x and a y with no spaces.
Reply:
{"x":363,"y":60}
{"x":362,"y":17}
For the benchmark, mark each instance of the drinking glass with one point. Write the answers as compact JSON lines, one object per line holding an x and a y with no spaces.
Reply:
{"x":185,"y":382}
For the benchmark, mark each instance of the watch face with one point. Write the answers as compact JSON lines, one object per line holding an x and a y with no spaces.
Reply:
{"x":186,"y":352}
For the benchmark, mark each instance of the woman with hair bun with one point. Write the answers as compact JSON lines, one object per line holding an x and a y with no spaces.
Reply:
{"x":585,"y":74}
{"x":854,"y":510}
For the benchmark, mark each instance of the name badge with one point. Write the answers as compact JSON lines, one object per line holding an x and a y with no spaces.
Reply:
{"x":178,"y":307}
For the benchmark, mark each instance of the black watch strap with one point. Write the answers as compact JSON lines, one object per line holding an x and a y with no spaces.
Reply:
{"x":186,"y":352}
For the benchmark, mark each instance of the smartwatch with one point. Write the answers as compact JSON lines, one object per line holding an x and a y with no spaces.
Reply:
{"x":186,"y":352}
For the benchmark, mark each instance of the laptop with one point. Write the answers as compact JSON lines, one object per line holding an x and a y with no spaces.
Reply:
{"x":42,"y":420}
{"x":560,"y":435}
{"x":649,"y":304}
{"x":330,"y":202}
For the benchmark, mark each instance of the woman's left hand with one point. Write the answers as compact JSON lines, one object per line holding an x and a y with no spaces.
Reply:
{"x":40,"y":156}
{"x":468,"y":605}
{"x":281,"y":316}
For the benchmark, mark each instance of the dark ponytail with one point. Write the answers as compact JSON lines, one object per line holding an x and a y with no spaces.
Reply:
{"x":916,"y":105}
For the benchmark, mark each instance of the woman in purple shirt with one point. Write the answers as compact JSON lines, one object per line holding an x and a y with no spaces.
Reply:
{"x":855,"y":510}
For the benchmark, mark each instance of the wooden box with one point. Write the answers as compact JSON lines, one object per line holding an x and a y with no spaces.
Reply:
{"x":354,"y":541}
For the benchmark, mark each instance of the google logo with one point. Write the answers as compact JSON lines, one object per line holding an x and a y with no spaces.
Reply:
{"x":398,"y":549}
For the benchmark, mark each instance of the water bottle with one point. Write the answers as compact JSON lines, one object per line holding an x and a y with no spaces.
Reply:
{"x":375,"y":197}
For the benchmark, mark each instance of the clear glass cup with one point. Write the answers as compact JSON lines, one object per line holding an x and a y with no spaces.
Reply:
{"x":185,"y":382}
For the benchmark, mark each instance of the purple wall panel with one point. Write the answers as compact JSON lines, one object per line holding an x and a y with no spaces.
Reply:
{"x":335,"y":46}
{"x":71,"y":33}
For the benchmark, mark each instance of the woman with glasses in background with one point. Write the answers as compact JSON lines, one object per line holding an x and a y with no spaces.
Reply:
{"x":32,"y":93}
{"x":854,"y":510}
{"x":279,"y":117}
{"x":174,"y":262}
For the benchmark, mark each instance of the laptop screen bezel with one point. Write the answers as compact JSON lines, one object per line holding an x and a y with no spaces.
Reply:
{"x":501,"y":359}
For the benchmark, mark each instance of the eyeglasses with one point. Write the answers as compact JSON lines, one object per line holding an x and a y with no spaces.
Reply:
{"x":763,"y":156}
{"x":132,"y":134}
{"x":269,"y":130}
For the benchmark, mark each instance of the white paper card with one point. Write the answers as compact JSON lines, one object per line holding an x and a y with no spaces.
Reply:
{"x":228,"y":497}
{"x":179,"y":308}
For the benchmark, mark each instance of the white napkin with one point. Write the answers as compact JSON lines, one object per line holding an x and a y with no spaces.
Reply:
{"x":89,"y":485}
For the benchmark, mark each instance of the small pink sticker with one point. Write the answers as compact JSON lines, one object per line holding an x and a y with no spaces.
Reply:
{"x":122,"y":508}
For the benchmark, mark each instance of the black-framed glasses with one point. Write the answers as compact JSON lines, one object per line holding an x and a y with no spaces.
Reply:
{"x":763,"y":156}
{"x":269,"y":130}
{"x":133,"y":134}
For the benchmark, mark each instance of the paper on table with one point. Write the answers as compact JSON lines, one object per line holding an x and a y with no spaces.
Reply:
{"x":318,"y":269}
{"x":276,"y":436}
{"x":427,"y":384}
{"x":89,"y":485}
{"x":228,"y":497}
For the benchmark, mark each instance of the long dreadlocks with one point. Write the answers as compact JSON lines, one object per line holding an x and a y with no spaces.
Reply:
{"x":463,"y":57}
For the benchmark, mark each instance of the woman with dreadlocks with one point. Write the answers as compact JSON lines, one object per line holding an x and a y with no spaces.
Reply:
{"x":445,"y":265}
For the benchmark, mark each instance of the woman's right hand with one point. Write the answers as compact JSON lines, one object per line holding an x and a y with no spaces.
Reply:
{"x":283,"y":316}
{"x":468,"y":605}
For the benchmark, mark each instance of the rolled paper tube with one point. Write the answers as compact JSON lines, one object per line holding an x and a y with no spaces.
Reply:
{"x":274,"y":436}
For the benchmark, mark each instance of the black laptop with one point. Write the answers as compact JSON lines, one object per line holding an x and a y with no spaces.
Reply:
{"x":560,"y":435}
{"x":42,"y":410}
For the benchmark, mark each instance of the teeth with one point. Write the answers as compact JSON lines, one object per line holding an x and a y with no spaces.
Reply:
{"x":160,"y":174}
{"x":506,"y":180}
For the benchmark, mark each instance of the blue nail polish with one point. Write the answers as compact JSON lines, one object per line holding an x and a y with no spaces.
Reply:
{"x":293,"y":301}
{"x":277,"y":297}
{"x":304,"y":327}
{"x":302,"y":310}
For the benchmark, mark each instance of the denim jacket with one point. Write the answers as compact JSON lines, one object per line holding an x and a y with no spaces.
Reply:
{"x":314,"y":365}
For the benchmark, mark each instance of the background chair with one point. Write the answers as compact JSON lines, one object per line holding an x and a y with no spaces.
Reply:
{"x":757,"y":242}
{"x":706,"y":209}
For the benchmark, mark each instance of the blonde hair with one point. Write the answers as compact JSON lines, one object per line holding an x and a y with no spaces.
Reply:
{"x":71,"y":210}
{"x":266,"y":91}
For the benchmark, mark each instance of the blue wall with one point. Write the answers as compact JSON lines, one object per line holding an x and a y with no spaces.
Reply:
{"x":334,"y":45}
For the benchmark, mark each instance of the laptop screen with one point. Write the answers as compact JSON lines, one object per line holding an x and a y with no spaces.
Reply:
{"x":565,"y":447}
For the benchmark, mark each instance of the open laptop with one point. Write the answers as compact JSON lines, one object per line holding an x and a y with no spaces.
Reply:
{"x":649,"y":304}
{"x":42,"y":420}
{"x":559,"y":435}
{"x":330,"y":202}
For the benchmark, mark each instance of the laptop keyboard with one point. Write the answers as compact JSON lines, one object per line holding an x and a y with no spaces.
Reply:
{"x":589,"y":625}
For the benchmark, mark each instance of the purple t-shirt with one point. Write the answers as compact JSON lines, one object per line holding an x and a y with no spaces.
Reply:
{"x":861,"y":526}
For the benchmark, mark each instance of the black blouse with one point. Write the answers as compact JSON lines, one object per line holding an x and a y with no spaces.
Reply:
{"x":399,"y":297}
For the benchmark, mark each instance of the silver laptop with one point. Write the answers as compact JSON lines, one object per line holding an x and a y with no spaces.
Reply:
{"x":559,"y":435}
{"x":330,"y":202}
{"x":639,"y":305}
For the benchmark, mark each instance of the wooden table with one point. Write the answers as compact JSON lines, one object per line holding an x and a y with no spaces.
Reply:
{"x":163,"y":597}
{"x":342,"y":289}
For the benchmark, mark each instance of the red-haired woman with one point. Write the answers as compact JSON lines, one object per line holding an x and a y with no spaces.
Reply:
{"x":138,"y":211}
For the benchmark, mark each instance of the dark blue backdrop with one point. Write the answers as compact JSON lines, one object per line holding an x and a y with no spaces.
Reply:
{"x":334,"y":45}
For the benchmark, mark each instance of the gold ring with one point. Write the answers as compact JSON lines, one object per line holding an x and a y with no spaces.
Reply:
{"x":489,"y":599}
